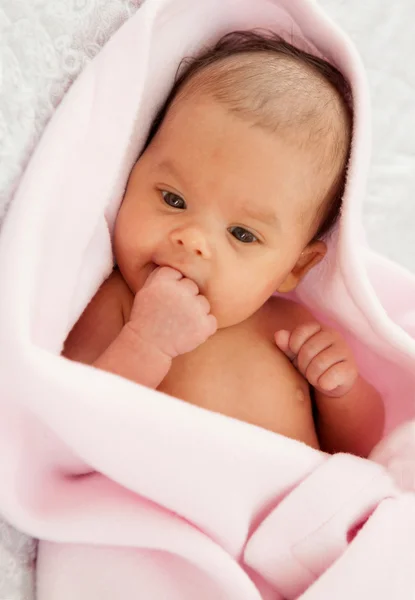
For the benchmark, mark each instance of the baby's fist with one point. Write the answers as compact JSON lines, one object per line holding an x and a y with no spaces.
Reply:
{"x":322,"y":356}
{"x":169,"y":313}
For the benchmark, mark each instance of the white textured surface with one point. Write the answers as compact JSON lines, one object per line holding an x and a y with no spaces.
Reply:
{"x":45,"y":43}
{"x":17,"y":561}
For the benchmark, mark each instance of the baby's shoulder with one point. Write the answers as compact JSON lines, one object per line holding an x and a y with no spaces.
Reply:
{"x":279,"y":313}
{"x":240,"y":372}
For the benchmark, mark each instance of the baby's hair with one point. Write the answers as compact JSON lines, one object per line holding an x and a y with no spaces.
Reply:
{"x":286,"y":89}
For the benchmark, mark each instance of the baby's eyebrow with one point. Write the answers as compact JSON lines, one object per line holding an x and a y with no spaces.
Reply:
{"x":167,"y":165}
{"x":268,"y":217}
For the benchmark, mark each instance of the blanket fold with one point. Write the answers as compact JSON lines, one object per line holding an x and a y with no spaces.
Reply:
{"x":136,"y":493}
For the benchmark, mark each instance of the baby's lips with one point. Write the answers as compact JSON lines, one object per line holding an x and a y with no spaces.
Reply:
{"x":161,"y":265}
{"x":153,"y":267}
{"x":169,"y":272}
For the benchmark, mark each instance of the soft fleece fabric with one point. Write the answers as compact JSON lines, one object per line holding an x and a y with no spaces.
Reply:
{"x":136,"y":494}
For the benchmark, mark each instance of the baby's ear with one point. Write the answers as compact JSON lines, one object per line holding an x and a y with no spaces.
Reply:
{"x":309,"y":257}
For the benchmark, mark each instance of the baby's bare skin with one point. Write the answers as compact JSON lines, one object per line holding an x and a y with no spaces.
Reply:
{"x":238,"y":371}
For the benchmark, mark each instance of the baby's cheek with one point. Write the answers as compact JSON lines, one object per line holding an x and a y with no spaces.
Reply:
{"x":224,"y":307}
{"x":233,"y":308}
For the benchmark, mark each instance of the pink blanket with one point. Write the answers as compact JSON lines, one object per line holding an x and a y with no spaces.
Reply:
{"x":138,"y":495}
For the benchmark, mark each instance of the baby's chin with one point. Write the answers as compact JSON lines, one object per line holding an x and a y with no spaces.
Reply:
{"x":227,"y":316}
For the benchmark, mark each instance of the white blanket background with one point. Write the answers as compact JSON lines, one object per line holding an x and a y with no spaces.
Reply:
{"x":44,"y":44}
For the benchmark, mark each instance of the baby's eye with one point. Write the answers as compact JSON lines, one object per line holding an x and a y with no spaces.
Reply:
{"x":173,"y":200}
{"x":243,"y":235}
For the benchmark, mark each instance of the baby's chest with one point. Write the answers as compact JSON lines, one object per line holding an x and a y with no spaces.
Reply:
{"x":239,"y":372}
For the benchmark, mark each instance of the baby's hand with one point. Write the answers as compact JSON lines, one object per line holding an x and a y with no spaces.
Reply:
{"x":322,"y":356}
{"x":169,"y":312}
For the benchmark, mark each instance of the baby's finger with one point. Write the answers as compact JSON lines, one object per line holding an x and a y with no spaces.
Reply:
{"x":301,"y":334}
{"x":169,"y":273}
{"x":212,"y":324}
{"x":282,"y":339}
{"x":190,"y":286}
{"x":322,"y":363}
{"x":312,"y":347}
{"x":339,"y":379}
{"x":204,"y":303}
{"x":165,"y":273}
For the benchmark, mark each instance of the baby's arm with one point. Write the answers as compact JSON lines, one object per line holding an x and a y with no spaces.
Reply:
{"x":100,"y":337}
{"x":168,"y":317}
{"x":350,"y":411}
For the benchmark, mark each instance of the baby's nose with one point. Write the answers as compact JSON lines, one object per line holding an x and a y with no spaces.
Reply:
{"x":192,"y":240}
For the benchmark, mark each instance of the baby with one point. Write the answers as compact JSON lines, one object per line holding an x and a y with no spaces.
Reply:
{"x":239,"y":183}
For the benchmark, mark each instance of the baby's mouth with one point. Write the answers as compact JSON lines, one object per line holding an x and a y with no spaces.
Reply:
{"x":152,"y":267}
{"x":156,"y":265}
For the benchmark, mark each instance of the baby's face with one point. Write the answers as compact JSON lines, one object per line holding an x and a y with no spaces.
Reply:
{"x":226,"y":203}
